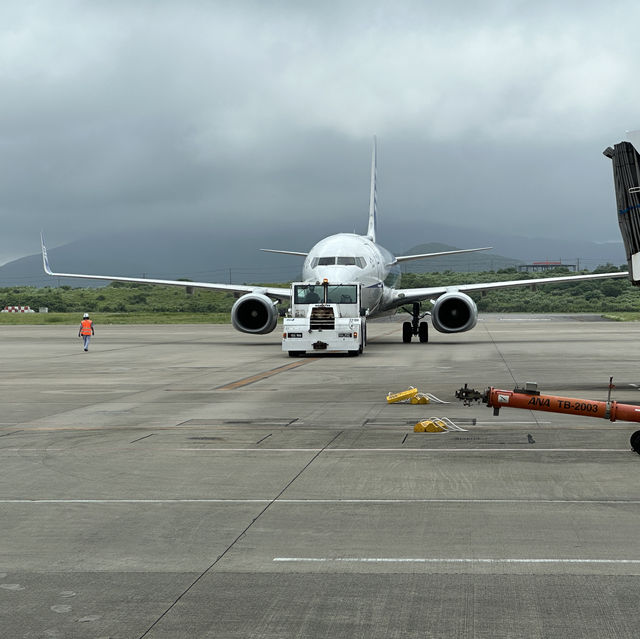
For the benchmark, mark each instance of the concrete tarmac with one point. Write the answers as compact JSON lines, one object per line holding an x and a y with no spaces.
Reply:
{"x":191,"y":481}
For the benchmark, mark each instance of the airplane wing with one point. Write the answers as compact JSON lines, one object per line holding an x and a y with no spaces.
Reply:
{"x":280,"y":293}
{"x":409,"y":295}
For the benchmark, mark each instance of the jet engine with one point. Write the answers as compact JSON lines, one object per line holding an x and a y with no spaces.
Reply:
{"x":454,"y":313}
{"x":254,"y":313}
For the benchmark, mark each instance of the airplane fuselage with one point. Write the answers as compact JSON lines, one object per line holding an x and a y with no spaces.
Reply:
{"x":347,"y":257}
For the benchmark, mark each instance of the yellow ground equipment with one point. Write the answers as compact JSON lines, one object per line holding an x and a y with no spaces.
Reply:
{"x":394,"y":398}
{"x":436,"y":425}
{"x":412,"y":396}
{"x":430,"y":426}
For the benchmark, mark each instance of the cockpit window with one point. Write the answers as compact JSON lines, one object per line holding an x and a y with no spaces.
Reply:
{"x":340,"y":261}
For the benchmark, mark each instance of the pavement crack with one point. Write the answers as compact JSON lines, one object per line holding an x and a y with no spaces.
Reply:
{"x":242,"y":534}
{"x":141,"y":438}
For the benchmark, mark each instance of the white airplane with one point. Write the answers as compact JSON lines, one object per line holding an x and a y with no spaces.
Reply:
{"x":348,"y":257}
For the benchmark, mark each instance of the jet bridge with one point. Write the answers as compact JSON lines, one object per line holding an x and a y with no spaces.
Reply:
{"x":626,"y":177}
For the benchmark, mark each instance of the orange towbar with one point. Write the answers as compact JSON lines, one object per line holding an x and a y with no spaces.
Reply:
{"x":530,"y":398}
{"x":554,"y":404}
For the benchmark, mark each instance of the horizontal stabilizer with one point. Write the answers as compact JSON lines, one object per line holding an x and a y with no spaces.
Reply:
{"x":406,"y":258}
{"x":285,"y":252}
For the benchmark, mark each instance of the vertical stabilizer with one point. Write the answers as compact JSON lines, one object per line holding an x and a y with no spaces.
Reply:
{"x":626,"y":178}
{"x":371,"y":230}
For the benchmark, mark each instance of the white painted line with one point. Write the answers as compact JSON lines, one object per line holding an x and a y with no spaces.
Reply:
{"x":495,"y":423}
{"x":530,"y":449}
{"x":458,"y":501}
{"x":134,"y":501}
{"x":625,"y":502}
{"x":525,"y":319}
{"x":452,"y":560}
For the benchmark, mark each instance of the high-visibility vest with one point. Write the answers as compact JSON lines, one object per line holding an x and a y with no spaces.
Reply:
{"x":86,"y":327}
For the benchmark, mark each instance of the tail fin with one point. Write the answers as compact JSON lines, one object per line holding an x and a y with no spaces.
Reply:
{"x":371,"y":230}
{"x":45,"y":257}
{"x":626,"y":178}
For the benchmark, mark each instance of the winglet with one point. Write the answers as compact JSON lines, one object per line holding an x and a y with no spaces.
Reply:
{"x":45,"y":258}
{"x":371,"y":230}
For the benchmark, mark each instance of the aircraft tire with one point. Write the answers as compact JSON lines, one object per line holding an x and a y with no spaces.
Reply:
{"x":635,"y":441}
{"x":407,"y":332}
{"x":423,"y":332}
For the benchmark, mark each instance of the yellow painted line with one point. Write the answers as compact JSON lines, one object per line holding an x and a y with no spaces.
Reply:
{"x":256,"y":378}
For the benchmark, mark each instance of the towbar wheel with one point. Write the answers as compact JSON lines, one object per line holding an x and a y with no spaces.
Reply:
{"x":635,"y":441}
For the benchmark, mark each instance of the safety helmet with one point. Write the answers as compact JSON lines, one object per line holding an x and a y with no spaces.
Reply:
{"x":85,"y":316}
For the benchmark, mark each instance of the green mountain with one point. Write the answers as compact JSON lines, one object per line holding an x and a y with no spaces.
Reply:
{"x":465,"y":262}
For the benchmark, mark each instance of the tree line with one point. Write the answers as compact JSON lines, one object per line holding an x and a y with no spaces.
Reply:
{"x":591,"y":296}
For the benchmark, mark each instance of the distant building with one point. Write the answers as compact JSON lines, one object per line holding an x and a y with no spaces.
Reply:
{"x":546,"y":265}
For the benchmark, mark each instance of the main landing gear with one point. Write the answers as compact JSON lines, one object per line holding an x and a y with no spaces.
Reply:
{"x":415,"y":326}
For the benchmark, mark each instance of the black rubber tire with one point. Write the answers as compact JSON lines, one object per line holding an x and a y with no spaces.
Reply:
{"x":407,"y":332}
{"x":423,"y":332}
{"x":296,"y":353}
{"x":635,"y":441}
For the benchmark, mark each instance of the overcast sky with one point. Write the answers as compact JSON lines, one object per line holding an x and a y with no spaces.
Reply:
{"x":121,"y":114}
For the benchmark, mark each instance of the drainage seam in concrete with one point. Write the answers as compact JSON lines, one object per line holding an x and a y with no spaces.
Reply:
{"x":233,"y":543}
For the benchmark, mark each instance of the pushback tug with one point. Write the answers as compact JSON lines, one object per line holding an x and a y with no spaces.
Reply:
{"x":324,"y":317}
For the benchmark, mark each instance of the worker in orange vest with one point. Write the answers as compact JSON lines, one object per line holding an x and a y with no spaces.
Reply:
{"x":86,"y":330}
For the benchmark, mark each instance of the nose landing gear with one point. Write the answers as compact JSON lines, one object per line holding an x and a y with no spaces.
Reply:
{"x":415,"y":326}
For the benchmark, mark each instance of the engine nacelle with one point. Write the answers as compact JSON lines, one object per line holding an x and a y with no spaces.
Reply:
{"x":454,"y":313}
{"x":254,"y":313}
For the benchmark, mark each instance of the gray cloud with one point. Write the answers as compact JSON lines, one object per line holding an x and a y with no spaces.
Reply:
{"x":126,"y":115}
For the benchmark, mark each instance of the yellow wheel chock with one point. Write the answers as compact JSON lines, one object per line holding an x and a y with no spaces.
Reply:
{"x":430,"y":426}
{"x":393,"y":398}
